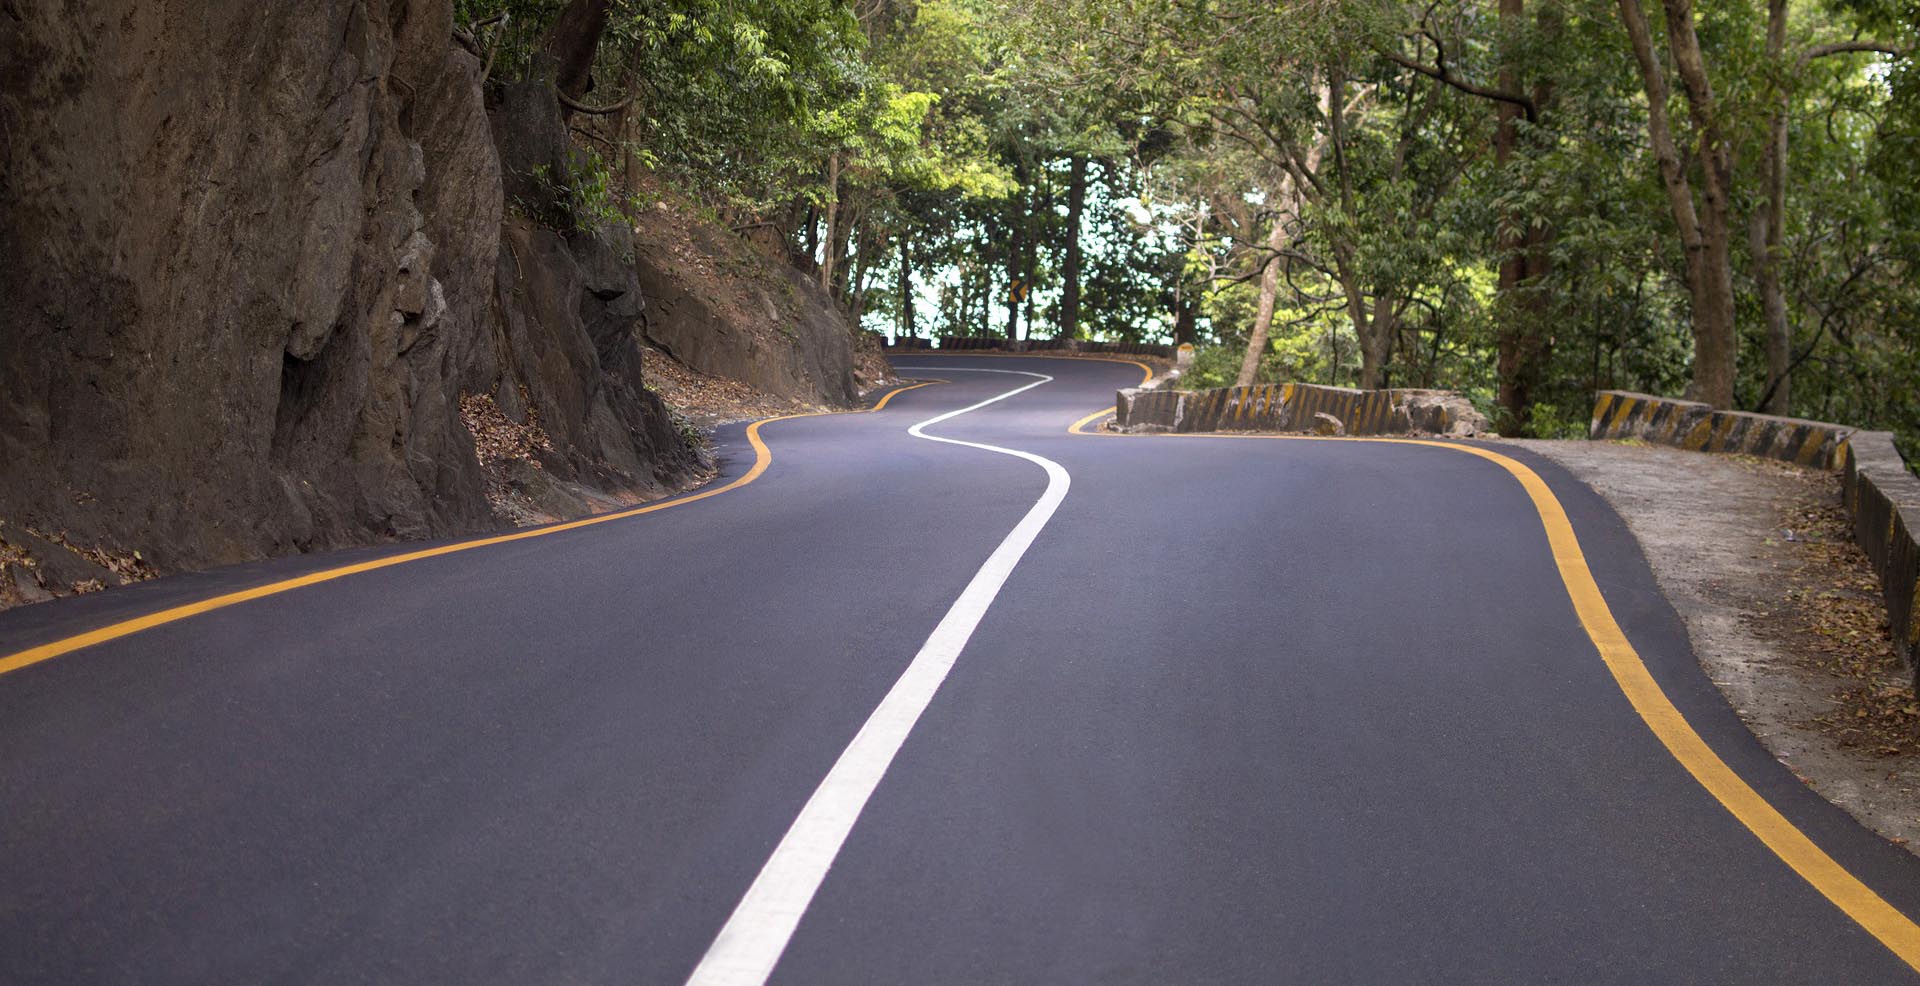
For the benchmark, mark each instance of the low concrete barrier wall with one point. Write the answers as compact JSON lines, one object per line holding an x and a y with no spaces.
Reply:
{"x":1690,"y":425}
{"x":1124,"y":348}
{"x":1884,"y":499}
{"x":1881,"y":495}
{"x":1297,"y":407}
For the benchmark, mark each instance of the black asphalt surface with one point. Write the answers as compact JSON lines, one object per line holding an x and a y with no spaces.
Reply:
{"x":1247,"y":712}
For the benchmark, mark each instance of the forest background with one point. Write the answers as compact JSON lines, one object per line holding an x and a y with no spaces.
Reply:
{"x":1525,"y":200}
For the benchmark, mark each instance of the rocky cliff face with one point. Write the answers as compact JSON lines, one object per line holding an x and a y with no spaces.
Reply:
{"x":256,"y":254}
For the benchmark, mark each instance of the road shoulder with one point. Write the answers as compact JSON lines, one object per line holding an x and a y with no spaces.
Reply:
{"x":1779,"y":607}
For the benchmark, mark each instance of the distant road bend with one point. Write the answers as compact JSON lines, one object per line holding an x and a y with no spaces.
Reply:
{"x":941,"y":693}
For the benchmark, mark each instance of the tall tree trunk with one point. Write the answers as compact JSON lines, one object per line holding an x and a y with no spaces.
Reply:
{"x":1371,"y":359}
{"x":811,"y":241}
{"x":1016,"y":248}
{"x":832,"y":237}
{"x":1070,"y":272}
{"x":571,"y":41}
{"x":1539,"y":237}
{"x":960,"y":315}
{"x":1186,"y":318}
{"x":1524,"y":342}
{"x":1515,"y":365}
{"x":1715,"y":345}
{"x":626,"y":136}
{"x":986,"y":303}
{"x":1186,"y":308}
{"x":1287,"y":199}
{"x":841,"y":286}
{"x":1769,"y":227}
{"x":1269,"y":294}
{"x":1376,"y":343}
{"x":906,"y":285}
{"x":859,"y":272}
{"x":1030,"y":267}
{"x":1374,"y":332}
{"x":1703,"y":233}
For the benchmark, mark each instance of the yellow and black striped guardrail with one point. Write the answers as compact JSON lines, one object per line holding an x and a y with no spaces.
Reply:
{"x":1881,"y":494}
{"x":1700,"y":428}
{"x":1280,"y":407}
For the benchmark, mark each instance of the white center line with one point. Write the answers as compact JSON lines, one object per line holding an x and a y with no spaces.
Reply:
{"x":750,"y":943}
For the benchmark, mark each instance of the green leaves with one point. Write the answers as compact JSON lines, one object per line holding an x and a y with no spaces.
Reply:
{"x":950,"y":125}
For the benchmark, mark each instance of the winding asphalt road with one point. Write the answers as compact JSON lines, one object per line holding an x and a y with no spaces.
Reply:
{"x":1010,"y":705}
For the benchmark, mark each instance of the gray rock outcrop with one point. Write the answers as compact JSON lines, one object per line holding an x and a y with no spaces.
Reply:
{"x":256,"y":253}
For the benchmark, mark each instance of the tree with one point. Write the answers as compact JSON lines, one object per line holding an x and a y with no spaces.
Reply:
{"x":1070,"y":272}
{"x":1374,"y":192}
{"x":1704,"y":227}
{"x":572,"y":41}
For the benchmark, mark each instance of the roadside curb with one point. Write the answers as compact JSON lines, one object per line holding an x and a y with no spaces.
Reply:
{"x":1883,"y":498}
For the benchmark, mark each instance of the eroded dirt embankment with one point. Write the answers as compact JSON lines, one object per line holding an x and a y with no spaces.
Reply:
{"x":1783,"y":610}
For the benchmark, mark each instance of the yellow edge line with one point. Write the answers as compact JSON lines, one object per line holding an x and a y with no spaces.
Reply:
{"x":1858,"y":901}
{"x":762,"y":457}
{"x":1089,"y":419}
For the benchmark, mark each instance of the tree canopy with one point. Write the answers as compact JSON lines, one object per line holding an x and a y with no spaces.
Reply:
{"x":1526,"y":200}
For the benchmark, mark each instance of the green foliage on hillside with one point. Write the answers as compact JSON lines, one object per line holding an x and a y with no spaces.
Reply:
{"x":1448,"y":195}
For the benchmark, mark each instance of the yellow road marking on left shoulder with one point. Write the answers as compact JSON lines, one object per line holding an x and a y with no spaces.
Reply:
{"x":881,"y":403}
{"x":762,"y":457}
{"x":1894,"y":929}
